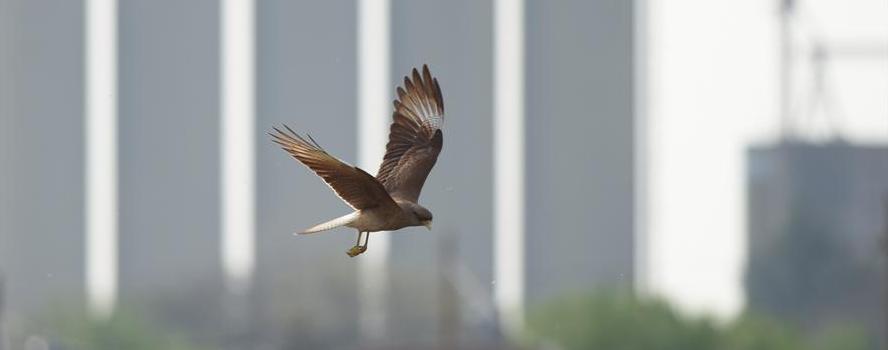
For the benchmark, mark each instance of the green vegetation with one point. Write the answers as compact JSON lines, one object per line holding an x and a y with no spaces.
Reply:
{"x":620,"y":321}
{"x":124,"y":330}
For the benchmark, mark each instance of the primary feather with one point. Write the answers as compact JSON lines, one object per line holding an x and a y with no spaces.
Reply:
{"x":415,"y":137}
{"x":357,"y":188}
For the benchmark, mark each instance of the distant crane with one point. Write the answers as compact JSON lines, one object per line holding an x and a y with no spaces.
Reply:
{"x":821,"y":54}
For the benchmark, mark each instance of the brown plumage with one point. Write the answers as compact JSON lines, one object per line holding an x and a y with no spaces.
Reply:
{"x":388,"y":201}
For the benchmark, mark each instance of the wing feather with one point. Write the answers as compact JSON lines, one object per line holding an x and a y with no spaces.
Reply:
{"x":415,"y":137}
{"x":353,"y":185}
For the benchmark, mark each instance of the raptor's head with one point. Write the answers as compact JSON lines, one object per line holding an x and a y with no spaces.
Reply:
{"x":424,"y":216}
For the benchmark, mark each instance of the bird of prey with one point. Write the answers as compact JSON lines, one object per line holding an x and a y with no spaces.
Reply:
{"x":388,"y":201}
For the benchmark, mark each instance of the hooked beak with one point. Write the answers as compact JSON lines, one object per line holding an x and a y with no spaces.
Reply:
{"x":427,"y":224}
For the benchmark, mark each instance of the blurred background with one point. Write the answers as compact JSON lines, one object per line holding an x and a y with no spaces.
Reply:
{"x":648,"y":174}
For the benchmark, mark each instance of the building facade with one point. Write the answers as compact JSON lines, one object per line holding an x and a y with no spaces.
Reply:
{"x":816,"y":221}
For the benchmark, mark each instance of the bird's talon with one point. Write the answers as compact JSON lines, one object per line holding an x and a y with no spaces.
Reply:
{"x":356,"y":250}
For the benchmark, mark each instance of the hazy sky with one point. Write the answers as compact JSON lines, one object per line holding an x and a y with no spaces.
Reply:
{"x":713,"y":91}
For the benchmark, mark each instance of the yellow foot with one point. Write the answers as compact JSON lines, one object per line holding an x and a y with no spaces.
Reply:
{"x":356,"y":250}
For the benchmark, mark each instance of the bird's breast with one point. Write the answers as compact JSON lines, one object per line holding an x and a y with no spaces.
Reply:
{"x":371,"y":220}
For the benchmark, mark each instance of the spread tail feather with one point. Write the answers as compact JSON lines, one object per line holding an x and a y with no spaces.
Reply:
{"x":337,"y":222}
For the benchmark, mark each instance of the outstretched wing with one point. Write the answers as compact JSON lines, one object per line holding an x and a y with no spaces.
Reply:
{"x":415,"y":137}
{"x":357,"y":188}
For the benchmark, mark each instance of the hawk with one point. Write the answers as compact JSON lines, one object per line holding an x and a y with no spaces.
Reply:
{"x":388,"y":201}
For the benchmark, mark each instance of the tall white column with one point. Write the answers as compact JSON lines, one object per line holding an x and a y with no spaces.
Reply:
{"x":642,"y":249}
{"x":101,"y":155}
{"x":508,"y":169}
{"x":374,"y":111}
{"x":238,"y":142}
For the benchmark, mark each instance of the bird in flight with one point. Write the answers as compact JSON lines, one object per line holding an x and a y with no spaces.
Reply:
{"x":388,"y":201}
